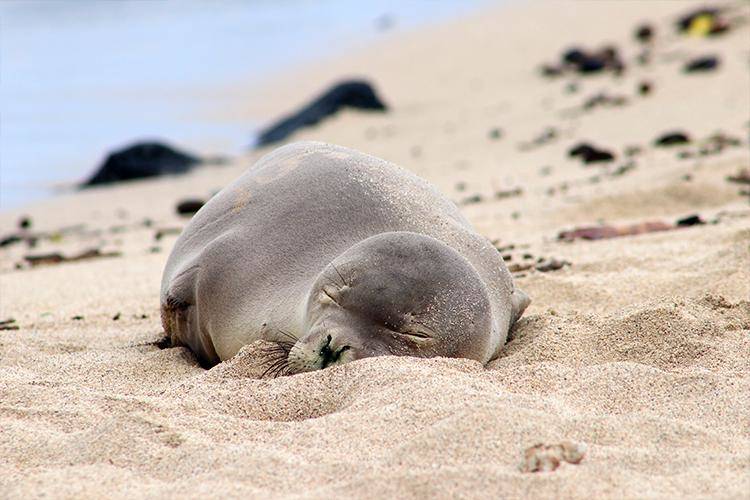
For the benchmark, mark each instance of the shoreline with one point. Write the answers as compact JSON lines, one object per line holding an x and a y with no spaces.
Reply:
{"x":108,"y":105}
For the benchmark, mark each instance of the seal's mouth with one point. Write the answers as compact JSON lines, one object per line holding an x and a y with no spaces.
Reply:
{"x":288,"y":357}
{"x":316,"y":352}
{"x":329,"y":355}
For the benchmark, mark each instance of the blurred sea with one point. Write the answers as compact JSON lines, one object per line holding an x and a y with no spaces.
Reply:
{"x":79,"y":78}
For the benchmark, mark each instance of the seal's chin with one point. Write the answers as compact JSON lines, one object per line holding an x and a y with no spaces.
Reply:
{"x":321,"y":349}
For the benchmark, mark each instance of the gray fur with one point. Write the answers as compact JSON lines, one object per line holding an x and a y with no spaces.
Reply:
{"x":389,"y":251}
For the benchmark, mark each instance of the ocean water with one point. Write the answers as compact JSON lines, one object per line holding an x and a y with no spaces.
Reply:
{"x":80,"y":78}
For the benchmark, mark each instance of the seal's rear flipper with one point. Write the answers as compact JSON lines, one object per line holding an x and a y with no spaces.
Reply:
{"x":519,"y":302}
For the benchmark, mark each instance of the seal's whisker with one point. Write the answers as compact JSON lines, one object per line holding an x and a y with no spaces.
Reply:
{"x":276,"y":367}
{"x":288,"y":335}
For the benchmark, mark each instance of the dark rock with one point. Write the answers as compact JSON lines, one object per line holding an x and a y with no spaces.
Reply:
{"x":590,"y":154}
{"x":672,"y":139}
{"x":189,"y":206}
{"x":644,"y":33}
{"x":690,"y":220}
{"x":705,"y":63}
{"x":10,"y":239}
{"x":141,"y":160}
{"x":584,"y":62}
{"x":356,"y":94}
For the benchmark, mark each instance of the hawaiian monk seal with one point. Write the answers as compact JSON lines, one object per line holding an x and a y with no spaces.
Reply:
{"x":335,"y":255}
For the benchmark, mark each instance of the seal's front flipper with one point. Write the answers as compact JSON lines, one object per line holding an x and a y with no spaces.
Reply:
{"x":179,"y":316}
{"x":519,"y":302}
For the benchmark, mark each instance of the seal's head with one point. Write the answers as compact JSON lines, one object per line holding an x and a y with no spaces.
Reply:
{"x":397,"y":293}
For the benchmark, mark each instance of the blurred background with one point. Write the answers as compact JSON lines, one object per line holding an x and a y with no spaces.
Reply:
{"x":79,"y":79}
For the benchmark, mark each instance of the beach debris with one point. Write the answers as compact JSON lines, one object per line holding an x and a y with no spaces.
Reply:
{"x":116,"y":317}
{"x":546,"y":136}
{"x":519,"y":267}
{"x":10,"y":240}
{"x":645,"y":87}
{"x":605,"y":232}
{"x":552,"y":264}
{"x":711,"y":145}
{"x":722,"y":140}
{"x":547,"y":458}
{"x":495,"y":133}
{"x":572,"y":87}
{"x":527,"y":262}
{"x":741,"y":177}
{"x":672,"y":139}
{"x":582,"y":61}
{"x":166,"y":231}
{"x":633,"y":150}
{"x":690,"y":220}
{"x":700,"y":64}
{"x":189,"y":206}
{"x":57,"y":258}
{"x":141,"y":160}
{"x":24,"y":222}
{"x":590,"y":154}
{"x":354,"y":94}
{"x":623,"y":169}
{"x":703,"y":22}
{"x":644,"y":33}
{"x":8,"y":324}
{"x":470,"y":200}
{"x":508,"y":193}
{"x":603,"y":100}
{"x":77,"y":317}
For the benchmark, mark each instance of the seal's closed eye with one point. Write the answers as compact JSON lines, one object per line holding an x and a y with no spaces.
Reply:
{"x":329,"y":295}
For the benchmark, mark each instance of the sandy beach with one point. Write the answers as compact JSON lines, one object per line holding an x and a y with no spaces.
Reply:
{"x":636,"y":347}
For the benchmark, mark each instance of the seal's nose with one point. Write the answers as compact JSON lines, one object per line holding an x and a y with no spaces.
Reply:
{"x":330,"y":355}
